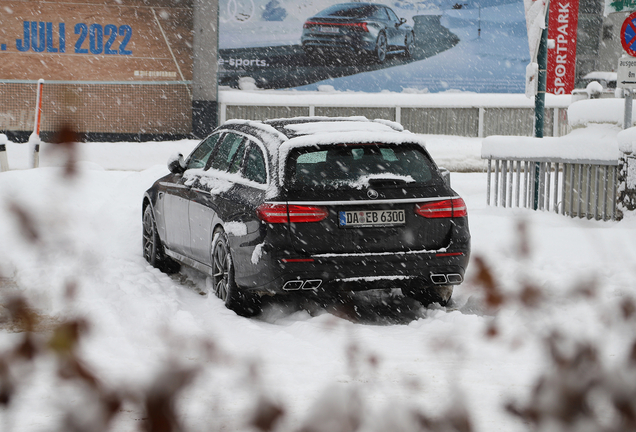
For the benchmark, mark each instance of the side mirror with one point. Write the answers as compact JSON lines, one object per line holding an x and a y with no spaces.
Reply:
{"x":402,"y":21}
{"x":445,"y":175}
{"x":176,"y":164}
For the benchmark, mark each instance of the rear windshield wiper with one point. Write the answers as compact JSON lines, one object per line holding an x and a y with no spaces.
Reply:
{"x":383,"y":182}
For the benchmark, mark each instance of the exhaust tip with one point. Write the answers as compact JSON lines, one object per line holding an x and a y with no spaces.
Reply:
{"x":438,"y":279}
{"x":293,"y":285}
{"x":455,"y":278}
{"x":312,"y":284}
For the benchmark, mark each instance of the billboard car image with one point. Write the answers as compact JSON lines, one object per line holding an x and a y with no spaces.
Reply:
{"x":475,"y":45}
{"x":363,"y":30}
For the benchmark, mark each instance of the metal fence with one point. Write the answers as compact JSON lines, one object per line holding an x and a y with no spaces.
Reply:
{"x":572,"y":188}
{"x":99,"y":107}
{"x":460,"y":121}
{"x":165,"y":108}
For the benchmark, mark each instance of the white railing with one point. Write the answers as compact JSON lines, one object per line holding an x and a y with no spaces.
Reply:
{"x":470,"y":115}
{"x":573,"y":188}
{"x":575,"y":175}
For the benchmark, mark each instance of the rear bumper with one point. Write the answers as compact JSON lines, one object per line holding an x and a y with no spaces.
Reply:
{"x":332,"y":272}
{"x":355,"y":44}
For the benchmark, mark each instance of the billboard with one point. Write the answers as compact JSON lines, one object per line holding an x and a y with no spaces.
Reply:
{"x":90,"y":40}
{"x":469,"y":45}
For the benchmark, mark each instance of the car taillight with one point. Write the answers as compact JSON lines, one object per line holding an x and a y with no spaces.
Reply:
{"x":309,"y":24}
{"x":358,"y":26}
{"x":273,"y":213}
{"x":448,"y":208}
{"x":281,"y":213}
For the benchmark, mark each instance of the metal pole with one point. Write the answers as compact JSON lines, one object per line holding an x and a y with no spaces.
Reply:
{"x":614,"y":191}
{"x":488,"y":181}
{"x":504,"y":180}
{"x":525,"y":184}
{"x":518,"y":183}
{"x":539,"y":103}
{"x":204,"y":69}
{"x":627,"y":120}
{"x":4,"y":161}
{"x":556,"y":187}
{"x":496,"y":182}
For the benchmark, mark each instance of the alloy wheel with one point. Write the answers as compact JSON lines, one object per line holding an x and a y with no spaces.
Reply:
{"x":381,"y":48}
{"x":149,"y":237}
{"x":221,"y":270}
{"x":409,"y":43}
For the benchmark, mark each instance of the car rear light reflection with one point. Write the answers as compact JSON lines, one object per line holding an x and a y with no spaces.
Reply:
{"x":282,"y":213}
{"x":296,"y":260}
{"x":359,"y":26}
{"x":356,"y":26}
{"x":448,"y":208}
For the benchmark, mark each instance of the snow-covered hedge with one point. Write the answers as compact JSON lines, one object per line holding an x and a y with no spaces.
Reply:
{"x":586,"y":112}
{"x":627,"y":140}
{"x":598,"y":142}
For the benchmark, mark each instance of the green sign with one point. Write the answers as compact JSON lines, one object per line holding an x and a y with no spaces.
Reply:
{"x":612,"y":6}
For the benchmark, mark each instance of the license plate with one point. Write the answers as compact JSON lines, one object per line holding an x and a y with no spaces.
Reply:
{"x":371,"y":218}
{"x":324,"y":29}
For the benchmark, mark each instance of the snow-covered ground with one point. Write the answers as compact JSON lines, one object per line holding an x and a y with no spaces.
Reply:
{"x":85,"y":232}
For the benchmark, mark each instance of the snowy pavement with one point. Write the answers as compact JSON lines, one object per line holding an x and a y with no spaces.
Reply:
{"x":85,"y":236}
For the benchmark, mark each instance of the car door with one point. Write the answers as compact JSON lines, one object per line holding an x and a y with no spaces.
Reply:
{"x":395,"y":34}
{"x":177,"y":195}
{"x":245,"y":199}
{"x":208,"y":204}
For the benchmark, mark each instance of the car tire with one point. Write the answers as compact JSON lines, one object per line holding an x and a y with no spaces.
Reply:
{"x":152,"y":248}
{"x":381,"y":48}
{"x":428,"y":295}
{"x":223,"y":283}
{"x":409,"y":44}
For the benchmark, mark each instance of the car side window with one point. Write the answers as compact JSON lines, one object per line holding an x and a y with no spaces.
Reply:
{"x":237,"y":159}
{"x":255,"y":168}
{"x":392,"y":16}
{"x":199,"y":157}
{"x":226,"y":152}
{"x":380,"y":14}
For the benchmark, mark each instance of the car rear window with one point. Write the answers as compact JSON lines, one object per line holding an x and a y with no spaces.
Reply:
{"x":357,"y":165}
{"x":366,"y":11}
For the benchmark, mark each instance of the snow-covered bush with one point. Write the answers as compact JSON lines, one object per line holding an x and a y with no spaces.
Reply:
{"x":585,"y":112}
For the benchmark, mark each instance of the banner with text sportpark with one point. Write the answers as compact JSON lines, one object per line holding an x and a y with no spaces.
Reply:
{"x":562,"y":28}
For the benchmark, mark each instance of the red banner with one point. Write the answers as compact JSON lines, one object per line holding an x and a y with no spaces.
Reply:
{"x":562,"y":27}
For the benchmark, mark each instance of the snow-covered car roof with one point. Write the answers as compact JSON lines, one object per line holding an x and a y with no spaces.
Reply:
{"x":300,"y":131}
{"x":282,"y":135}
{"x":600,"y":75}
